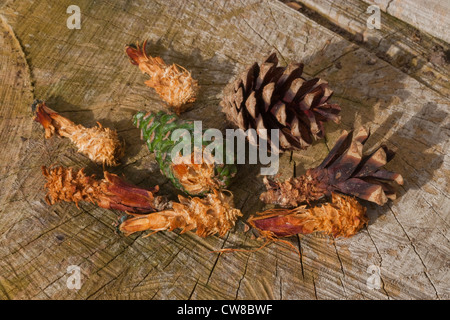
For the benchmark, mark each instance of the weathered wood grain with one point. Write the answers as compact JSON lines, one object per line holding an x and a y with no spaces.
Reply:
{"x":427,"y":15}
{"x":410,"y":49}
{"x":85,"y":75}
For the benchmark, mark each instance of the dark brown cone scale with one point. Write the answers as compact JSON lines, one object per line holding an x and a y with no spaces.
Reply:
{"x":268,"y":96}
{"x":345,"y":170}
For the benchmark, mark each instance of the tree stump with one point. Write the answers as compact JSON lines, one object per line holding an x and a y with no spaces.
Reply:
{"x":86,"y":76}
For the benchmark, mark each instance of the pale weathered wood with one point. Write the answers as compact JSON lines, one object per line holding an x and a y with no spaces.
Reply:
{"x":418,"y":54}
{"x":86,"y":76}
{"x":427,"y":15}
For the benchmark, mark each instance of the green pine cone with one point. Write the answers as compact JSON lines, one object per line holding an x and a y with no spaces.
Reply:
{"x":194,"y":179}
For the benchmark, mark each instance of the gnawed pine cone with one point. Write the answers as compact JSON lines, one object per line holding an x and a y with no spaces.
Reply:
{"x":100,"y":144}
{"x":345,"y":170}
{"x":173,"y":83}
{"x":213,"y":214}
{"x":343,"y":217}
{"x":112,"y":192}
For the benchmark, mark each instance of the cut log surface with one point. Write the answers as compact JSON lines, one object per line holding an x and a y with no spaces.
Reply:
{"x":428,"y":15}
{"x":85,"y":75}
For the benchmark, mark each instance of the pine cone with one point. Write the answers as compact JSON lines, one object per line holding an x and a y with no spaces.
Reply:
{"x":101,"y":145}
{"x":344,"y":170}
{"x":212,"y":214}
{"x":70,"y":185}
{"x":174,"y":86}
{"x":344,"y":217}
{"x":268,"y":97}
{"x":194,"y":179}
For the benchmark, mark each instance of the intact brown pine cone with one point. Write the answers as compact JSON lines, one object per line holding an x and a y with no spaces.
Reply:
{"x":215,"y":213}
{"x":268,"y":96}
{"x":343,"y":217}
{"x":71,"y":185}
{"x":344,"y":170}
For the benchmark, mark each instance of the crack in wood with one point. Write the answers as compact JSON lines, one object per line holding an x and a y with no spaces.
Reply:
{"x":415,"y":251}
{"x":242,"y":278}
{"x":381,"y":260}
{"x":300,"y":256}
{"x":193,"y":289}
